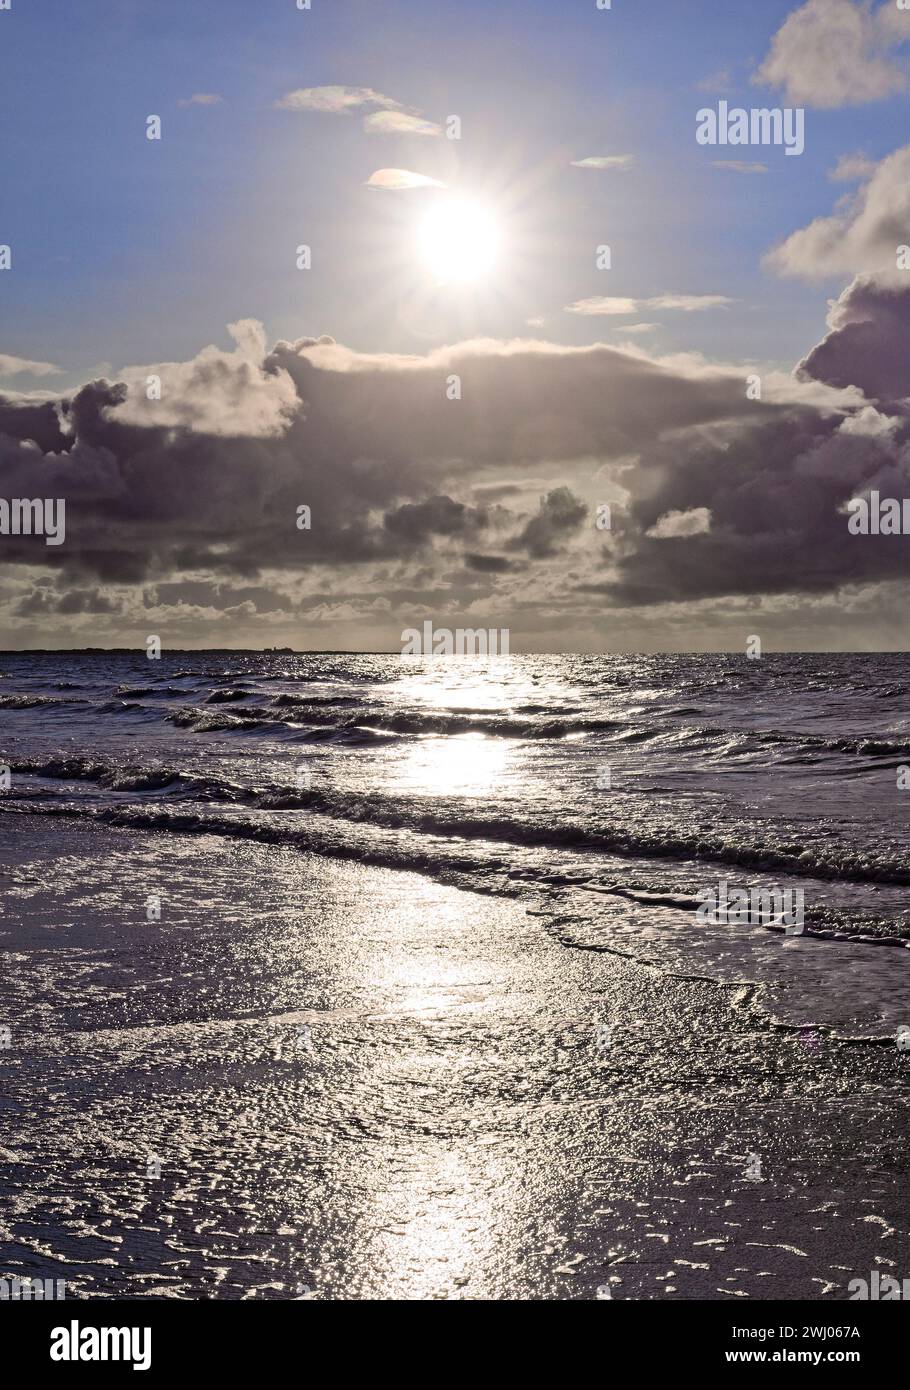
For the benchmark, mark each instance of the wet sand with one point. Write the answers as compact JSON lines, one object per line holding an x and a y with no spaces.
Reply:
{"x":362,"y":1083}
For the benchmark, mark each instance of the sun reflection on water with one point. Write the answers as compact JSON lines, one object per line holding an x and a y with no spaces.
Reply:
{"x":464,"y":765}
{"x":483,"y":685}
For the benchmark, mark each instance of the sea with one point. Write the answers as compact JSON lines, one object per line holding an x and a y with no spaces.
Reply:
{"x":610,"y":794}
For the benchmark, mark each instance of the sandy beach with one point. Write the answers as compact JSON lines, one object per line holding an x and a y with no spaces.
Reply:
{"x":360,"y":1083}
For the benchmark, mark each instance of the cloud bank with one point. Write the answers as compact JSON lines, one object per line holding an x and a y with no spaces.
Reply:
{"x":185,"y":509}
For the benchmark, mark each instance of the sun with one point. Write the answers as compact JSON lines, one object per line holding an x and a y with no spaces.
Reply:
{"x":458,"y":240}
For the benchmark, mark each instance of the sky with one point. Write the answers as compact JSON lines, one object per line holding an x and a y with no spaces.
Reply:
{"x":454,"y":378}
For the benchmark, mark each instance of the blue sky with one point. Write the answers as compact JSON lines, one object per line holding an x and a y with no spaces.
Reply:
{"x":583,"y":386}
{"x":131,"y":250}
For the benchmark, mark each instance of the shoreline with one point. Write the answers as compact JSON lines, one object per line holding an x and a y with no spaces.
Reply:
{"x":456,"y":1132}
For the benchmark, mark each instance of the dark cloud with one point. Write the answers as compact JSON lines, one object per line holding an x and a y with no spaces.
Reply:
{"x":37,"y":423}
{"x":158,"y":488}
{"x":45,"y":601}
{"x":205,"y":593}
{"x":86,"y":601}
{"x":196,"y":505}
{"x":560,"y":515}
{"x":776,"y":489}
{"x":490,"y":564}
{"x":868,"y":342}
{"x":439,"y":516}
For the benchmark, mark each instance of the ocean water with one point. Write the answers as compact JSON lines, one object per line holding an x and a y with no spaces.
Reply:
{"x":605,"y":793}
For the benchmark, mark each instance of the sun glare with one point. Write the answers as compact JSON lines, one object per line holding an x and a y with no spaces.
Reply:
{"x":458,"y":240}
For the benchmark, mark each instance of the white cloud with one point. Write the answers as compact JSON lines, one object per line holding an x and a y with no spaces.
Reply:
{"x":686,"y":303}
{"x":216,"y":392}
{"x":604,"y":304}
{"x":739,"y":166}
{"x":690,"y":523}
{"x":719,"y":83}
{"x":201,"y":99}
{"x":13,"y":366}
{"x":394,"y":179}
{"x":831,"y":53}
{"x":862,"y":235}
{"x":398,"y":123}
{"x":604,"y":161}
{"x":851,"y":167}
{"x":335,"y":100}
